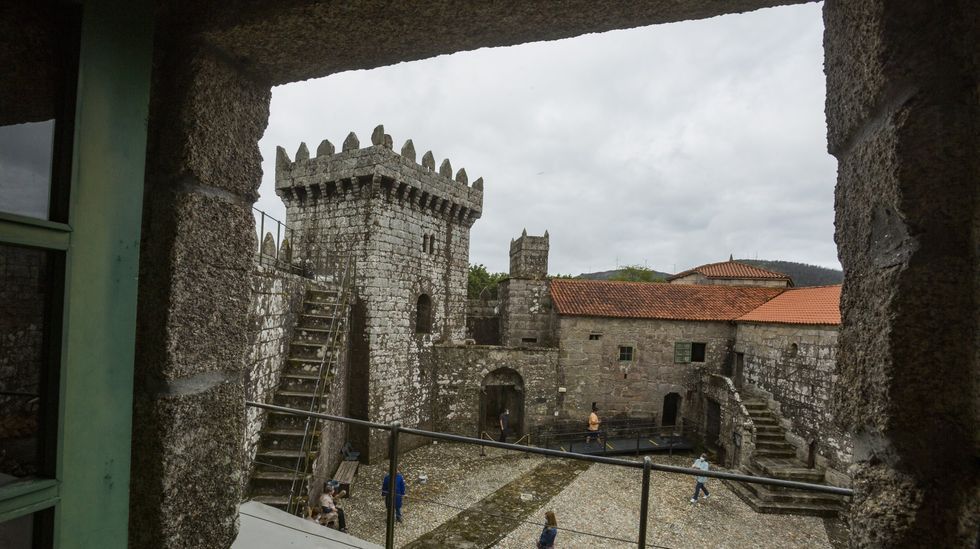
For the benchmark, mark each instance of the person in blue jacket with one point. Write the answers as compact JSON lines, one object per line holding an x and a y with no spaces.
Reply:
{"x":550,"y":532}
{"x":399,"y":493}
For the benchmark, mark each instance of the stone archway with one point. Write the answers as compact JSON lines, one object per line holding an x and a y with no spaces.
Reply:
{"x":502,"y":388}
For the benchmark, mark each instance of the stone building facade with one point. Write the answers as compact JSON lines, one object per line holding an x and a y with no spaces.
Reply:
{"x":406,"y":227}
{"x":628,"y":366}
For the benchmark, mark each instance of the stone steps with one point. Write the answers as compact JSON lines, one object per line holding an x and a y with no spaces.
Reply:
{"x":761,"y":505}
{"x":775,"y":457}
{"x":281,"y":444}
{"x":277,"y":501}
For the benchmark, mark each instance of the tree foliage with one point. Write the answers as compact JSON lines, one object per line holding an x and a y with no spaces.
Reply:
{"x":636,"y":273}
{"x":482,"y":284}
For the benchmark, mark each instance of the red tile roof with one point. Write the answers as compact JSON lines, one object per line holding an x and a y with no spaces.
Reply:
{"x":651,"y":300}
{"x":815,"y":305}
{"x":732,"y":269}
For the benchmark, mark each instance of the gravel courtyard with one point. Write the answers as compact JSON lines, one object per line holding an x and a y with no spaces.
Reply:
{"x":508,"y":501}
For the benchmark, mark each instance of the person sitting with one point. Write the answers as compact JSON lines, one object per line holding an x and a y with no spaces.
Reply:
{"x":331,"y":515}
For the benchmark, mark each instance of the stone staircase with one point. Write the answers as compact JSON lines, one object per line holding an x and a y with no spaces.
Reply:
{"x":775,"y":457}
{"x":286,"y":450}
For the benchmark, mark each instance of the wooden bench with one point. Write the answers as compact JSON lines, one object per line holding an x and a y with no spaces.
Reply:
{"x":345,"y":475}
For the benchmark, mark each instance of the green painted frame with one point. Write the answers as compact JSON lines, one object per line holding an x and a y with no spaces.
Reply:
{"x":90,"y":491}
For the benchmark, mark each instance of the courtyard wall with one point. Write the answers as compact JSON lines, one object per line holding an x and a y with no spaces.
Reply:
{"x":459,"y":372}
{"x":796,"y":366}
{"x":593,"y":372}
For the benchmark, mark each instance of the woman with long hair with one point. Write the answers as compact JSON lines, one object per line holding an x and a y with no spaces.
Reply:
{"x":550,"y":532}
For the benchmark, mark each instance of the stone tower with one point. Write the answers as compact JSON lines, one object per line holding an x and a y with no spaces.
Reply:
{"x":526,"y":312}
{"x":529,"y":256}
{"x":408,"y":227}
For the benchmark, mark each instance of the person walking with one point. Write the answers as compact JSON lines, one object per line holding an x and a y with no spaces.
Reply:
{"x":399,"y":493}
{"x":550,"y":532}
{"x":699,"y":484}
{"x":504,"y":424}
{"x":593,"y":426}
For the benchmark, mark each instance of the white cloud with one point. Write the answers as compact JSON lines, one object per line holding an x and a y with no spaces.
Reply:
{"x":671,"y":145}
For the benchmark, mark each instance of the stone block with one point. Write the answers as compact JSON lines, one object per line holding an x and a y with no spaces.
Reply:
{"x":187,"y":449}
{"x":207,"y":117}
{"x":194,"y":296}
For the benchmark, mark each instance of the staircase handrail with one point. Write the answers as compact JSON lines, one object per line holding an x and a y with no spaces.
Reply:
{"x":331,"y":350}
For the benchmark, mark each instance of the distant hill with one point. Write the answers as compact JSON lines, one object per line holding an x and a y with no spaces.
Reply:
{"x":606,"y":275}
{"x":801,"y":273}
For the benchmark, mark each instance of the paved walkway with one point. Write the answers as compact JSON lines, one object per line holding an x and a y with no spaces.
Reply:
{"x":492,"y":518}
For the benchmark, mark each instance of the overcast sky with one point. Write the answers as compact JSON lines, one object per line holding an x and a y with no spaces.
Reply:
{"x":667,"y":146}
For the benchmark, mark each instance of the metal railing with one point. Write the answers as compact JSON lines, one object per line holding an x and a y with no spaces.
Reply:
{"x":395,"y":429}
{"x":336,"y":339}
{"x":276,"y":235}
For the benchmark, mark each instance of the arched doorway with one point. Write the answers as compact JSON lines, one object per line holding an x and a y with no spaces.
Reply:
{"x":672,"y":405}
{"x":502,"y":388}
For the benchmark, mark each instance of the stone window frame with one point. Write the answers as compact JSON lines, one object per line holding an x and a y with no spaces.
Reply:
{"x":595,"y":337}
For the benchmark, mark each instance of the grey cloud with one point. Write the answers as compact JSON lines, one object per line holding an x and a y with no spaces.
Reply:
{"x":672,"y":145}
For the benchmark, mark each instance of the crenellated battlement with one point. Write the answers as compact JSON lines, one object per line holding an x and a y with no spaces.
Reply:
{"x":378,"y":171}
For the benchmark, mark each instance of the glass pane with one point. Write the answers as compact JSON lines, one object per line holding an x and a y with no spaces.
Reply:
{"x":17,"y":533}
{"x":32,"y":531}
{"x":26,"y":289}
{"x":26,"y":151}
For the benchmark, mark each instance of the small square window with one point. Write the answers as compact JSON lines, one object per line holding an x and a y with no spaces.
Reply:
{"x":625,"y":353}
{"x":529,"y":340}
{"x":595,"y":337}
{"x":697,"y":352}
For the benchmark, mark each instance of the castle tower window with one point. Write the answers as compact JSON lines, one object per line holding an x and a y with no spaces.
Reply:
{"x":595,"y":337}
{"x":423,"y":315}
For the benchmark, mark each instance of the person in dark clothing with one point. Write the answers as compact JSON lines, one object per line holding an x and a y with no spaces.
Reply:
{"x":550,"y":532}
{"x":399,"y":493}
{"x":504,"y":424}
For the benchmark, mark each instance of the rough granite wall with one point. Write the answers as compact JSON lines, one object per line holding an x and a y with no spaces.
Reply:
{"x":593,"y":372}
{"x":796,"y":365}
{"x":903,"y":121}
{"x":203,"y":169}
{"x":527,"y":315}
{"x":276,"y":301}
{"x":483,"y":321}
{"x":459,"y":372}
{"x":529,"y":256}
{"x":408,"y":227}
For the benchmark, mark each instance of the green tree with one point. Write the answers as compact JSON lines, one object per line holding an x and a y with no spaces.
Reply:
{"x":636,"y":273}
{"x":482,"y":283}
